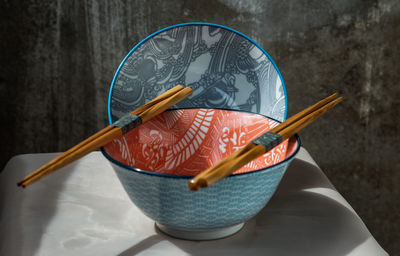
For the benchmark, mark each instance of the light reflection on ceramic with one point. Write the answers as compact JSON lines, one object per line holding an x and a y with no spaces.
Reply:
{"x":225,"y":68}
{"x":161,"y":189}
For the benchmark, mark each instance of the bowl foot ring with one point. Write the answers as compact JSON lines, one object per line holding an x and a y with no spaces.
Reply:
{"x":200,"y":234}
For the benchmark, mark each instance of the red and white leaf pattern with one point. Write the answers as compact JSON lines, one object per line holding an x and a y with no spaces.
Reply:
{"x":186,"y":142}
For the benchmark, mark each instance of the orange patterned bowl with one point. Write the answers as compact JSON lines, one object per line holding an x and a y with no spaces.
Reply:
{"x":155,"y":161}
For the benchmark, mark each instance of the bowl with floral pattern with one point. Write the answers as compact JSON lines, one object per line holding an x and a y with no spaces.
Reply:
{"x":156,"y":160}
{"x":225,"y":68}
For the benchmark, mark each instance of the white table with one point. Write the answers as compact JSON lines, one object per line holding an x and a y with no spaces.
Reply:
{"x":83,"y":210}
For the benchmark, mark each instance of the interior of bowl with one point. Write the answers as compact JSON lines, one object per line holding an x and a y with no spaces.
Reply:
{"x":188,"y":141}
{"x":225,"y":69}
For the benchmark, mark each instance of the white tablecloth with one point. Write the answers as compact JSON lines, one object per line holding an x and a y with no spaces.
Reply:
{"x":83,"y":210}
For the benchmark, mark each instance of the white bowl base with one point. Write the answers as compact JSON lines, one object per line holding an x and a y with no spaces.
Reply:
{"x":200,"y":234}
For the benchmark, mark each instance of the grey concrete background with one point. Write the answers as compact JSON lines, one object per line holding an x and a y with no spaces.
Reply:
{"x":57,"y":59}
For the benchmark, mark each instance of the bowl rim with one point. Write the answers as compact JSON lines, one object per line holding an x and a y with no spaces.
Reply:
{"x":130,"y":168}
{"x":192,"y":24}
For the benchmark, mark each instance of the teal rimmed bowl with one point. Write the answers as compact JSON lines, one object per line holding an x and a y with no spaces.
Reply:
{"x":154,"y":170}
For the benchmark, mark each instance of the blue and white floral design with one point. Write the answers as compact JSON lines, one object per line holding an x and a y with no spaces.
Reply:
{"x":225,"y":68}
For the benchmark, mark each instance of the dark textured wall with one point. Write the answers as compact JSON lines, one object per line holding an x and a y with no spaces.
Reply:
{"x":57,"y":59}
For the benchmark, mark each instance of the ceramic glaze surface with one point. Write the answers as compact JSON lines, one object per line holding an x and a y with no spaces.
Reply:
{"x":169,"y":201}
{"x":161,"y":191}
{"x":225,"y":69}
{"x":188,"y":141}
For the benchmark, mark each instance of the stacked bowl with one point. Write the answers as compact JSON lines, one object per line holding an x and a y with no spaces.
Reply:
{"x":238,"y":94}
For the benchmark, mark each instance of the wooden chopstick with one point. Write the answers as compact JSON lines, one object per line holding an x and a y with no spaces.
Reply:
{"x":137,"y":111}
{"x":289,"y":121}
{"x":158,"y":99}
{"x":304,"y":112}
{"x":66,"y":153}
{"x":251,"y":151}
{"x":84,"y":150}
{"x":164,"y":105}
{"x":289,"y":131}
{"x":104,"y":138}
{"x":145,"y":112}
{"x":213,"y":175}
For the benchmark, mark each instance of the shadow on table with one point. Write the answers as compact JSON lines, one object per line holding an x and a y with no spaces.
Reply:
{"x":296,"y":221}
{"x":41,"y":197}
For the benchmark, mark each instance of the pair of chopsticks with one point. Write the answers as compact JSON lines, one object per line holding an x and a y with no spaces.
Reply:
{"x":263,"y":144}
{"x":106,"y":135}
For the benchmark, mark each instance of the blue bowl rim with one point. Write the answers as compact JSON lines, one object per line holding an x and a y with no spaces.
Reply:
{"x":129,"y":168}
{"x":192,"y":24}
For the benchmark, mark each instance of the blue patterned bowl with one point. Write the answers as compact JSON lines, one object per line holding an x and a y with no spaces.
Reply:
{"x":154,"y":167}
{"x":226,"y":70}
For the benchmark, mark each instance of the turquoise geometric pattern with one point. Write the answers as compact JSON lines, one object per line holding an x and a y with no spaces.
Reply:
{"x":233,"y":200}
